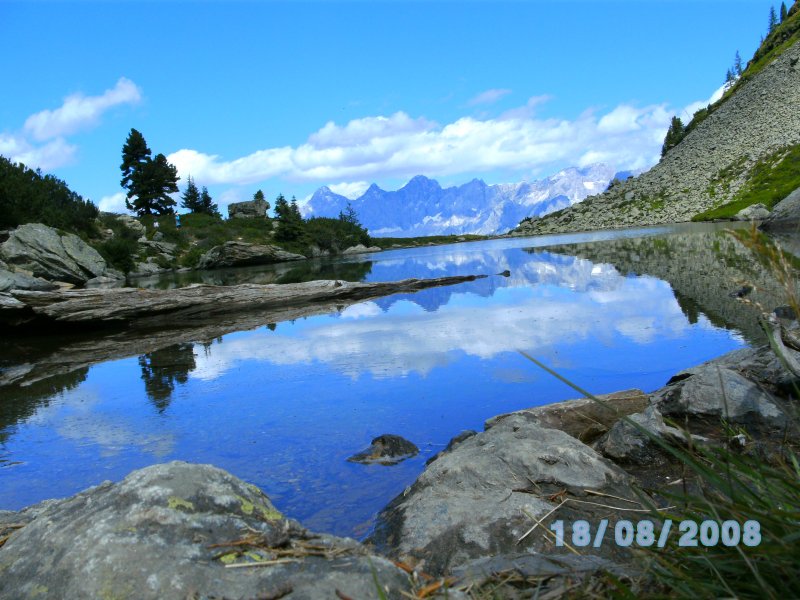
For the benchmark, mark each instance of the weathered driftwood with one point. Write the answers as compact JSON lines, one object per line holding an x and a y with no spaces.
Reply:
{"x":149,"y":333}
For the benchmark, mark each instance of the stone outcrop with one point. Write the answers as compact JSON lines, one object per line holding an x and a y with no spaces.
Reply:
{"x":240,"y":254}
{"x":707,"y":167}
{"x":251,"y":209}
{"x":52,"y":255}
{"x":177,"y":531}
{"x":133,"y":224}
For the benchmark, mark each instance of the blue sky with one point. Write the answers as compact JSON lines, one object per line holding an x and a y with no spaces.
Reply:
{"x":287,"y":97}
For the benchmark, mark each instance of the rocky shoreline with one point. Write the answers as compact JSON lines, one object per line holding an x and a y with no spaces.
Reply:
{"x":178,"y":530}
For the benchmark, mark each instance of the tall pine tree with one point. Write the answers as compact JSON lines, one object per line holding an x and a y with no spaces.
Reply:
{"x":190,"y":199}
{"x":784,"y":12}
{"x":149,"y":181}
{"x":737,"y":65}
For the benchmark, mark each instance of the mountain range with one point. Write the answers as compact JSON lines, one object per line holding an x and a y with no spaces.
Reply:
{"x":423,"y":207}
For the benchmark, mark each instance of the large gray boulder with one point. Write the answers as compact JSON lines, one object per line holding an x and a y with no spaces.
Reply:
{"x":131,"y":223}
{"x":237,"y":254}
{"x":52,"y":255}
{"x":482,"y":497}
{"x":785,"y":215}
{"x":754,"y":212}
{"x":251,"y":209}
{"x":181,"y":531}
{"x":10,"y":280}
{"x":715,"y":391}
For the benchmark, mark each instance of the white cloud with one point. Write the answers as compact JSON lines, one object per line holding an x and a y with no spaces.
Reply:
{"x":55,"y":153}
{"x":628,"y":137}
{"x":350,"y":190}
{"x":489,"y":96}
{"x":79,"y":111}
{"x":114,"y":203}
{"x":405,"y":341}
{"x":688,"y":112}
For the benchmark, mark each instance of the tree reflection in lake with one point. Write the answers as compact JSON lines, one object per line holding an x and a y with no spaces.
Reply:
{"x":162,"y":369}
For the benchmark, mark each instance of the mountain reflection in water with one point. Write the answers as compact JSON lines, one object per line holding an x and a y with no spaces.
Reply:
{"x":283,"y":405}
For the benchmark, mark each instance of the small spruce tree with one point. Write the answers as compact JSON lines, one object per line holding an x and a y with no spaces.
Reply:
{"x":783,"y":11}
{"x":737,"y":65}
{"x":773,"y":19}
{"x":207,"y":204}
{"x":191,"y":197}
{"x":675,"y":134}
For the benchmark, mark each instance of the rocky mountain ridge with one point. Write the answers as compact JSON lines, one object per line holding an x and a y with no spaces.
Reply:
{"x":758,"y":122}
{"x":423,"y":207}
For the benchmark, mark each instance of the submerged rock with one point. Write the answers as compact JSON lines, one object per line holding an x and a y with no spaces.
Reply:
{"x":238,"y":254}
{"x":53,"y":255}
{"x":180,"y":531}
{"x":387,"y":449}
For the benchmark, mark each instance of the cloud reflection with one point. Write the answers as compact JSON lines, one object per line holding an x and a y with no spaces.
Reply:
{"x":551,"y":301}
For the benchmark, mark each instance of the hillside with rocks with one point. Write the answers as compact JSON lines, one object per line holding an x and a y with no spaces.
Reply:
{"x":752,"y":132}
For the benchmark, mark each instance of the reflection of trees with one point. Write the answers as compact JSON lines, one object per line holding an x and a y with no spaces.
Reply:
{"x":310,"y":270}
{"x":18,"y":404}
{"x":161,"y":369}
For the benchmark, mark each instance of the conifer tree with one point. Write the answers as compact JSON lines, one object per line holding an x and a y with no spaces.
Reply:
{"x":783,"y":11}
{"x":149,"y":181}
{"x":134,"y":154}
{"x":675,"y":133}
{"x":773,"y":19}
{"x":259,"y":196}
{"x":737,"y":65}
{"x":290,"y":222}
{"x":191,"y":197}
{"x":207,"y":205}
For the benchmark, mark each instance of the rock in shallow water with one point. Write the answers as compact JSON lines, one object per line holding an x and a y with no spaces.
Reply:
{"x":166,"y":532}
{"x":387,"y":449}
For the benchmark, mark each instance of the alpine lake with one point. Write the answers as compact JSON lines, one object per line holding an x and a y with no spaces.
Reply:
{"x":283,"y":405}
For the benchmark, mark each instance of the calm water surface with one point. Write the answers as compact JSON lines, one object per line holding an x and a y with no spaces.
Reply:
{"x":284,"y":405}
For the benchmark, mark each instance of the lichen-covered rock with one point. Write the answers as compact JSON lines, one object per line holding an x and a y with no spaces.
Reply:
{"x":239,"y":254}
{"x":181,"y":531}
{"x":52,"y":255}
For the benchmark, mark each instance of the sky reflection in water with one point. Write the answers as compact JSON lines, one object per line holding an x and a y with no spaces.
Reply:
{"x":283,"y":407}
